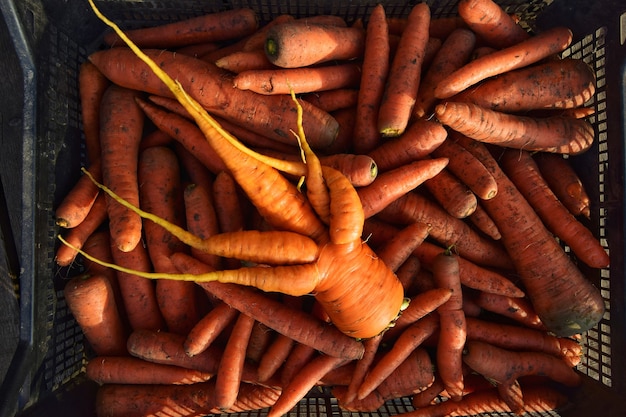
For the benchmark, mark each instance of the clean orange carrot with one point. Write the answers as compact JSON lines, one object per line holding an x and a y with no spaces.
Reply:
{"x":395,"y":251}
{"x":271,"y":116}
{"x":563,"y":83}
{"x":536,"y":399}
{"x":505,"y":367}
{"x":558,"y":134}
{"x":519,"y":55}
{"x":241,"y":61}
{"x":299,"y":80}
{"x":491,"y":23}
{"x":404,"y":74}
{"x":481,"y":220}
{"x":376,"y":62}
{"x":77,"y":203}
{"x":454,"y":52}
{"x":331,"y":100}
{"x":524,"y":173}
{"x":121,"y":129}
{"x":300,"y":44}
{"x":516,"y":337}
{"x":91,"y":87}
{"x":212,"y":27}
{"x":231,"y":364}
{"x":275,"y":355}
{"x":77,"y":235}
{"x":453,"y":195}
{"x":396,"y":182}
{"x":524,"y":235}
{"x":564,"y":182}
{"x":302,"y":383}
{"x":515,"y":308}
{"x":419,"y":140}
{"x":452,"y":324}
{"x":410,"y":339}
{"x":208,"y":328}
{"x":92,"y":303}
{"x":467,"y":168}
{"x":131,"y":370}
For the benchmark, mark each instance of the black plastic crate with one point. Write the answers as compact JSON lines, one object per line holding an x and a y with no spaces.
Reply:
{"x":45,"y":41}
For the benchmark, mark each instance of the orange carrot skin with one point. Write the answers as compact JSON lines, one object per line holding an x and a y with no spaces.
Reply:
{"x":275,"y":355}
{"x":91,"y":86}
{"x":524,"y":53}
{"x":298,"y":357}
{"x":131,"y":370}
{"x":92,"y":303}
{"x":121,"y":129}
{"x":332,"y":100}
{"x":212,"y":27}
{"x":411,"y":376}
{"x":453,"y":195}
{"x":298,"y":44}
{"x":201,"y":219}
{"x":78,"y":201}
{"x":240,"y":61}
{"x":557,"y":134}
{"x":271,"y":116}
{"x":397,"y":250}
{"x":491,"y":23}
{"x":404,"y":74}
{"x":517,"y":309}
{"x":209,"y":328}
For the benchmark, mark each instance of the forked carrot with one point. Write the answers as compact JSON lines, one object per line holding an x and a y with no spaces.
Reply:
{"x":491,"y":23}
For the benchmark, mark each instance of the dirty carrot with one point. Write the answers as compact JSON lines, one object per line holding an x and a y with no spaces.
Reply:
{"x":394,"y":252}
{"x":491,"y":23}
{"x":404,"y":74}
{"x":452,"y":194}
{"x":274,"y":357}
{"x":201,"y":219}
{"x":518,"y":309}
{"x":557,"y":134}
{"x":131,"y":370}
{"x":332,"y":100}
{"x":411,"y":376}
{"x":241,"y":61}
{"x":527,"y":52}
{"x":92,"y":303}
{"x":91,"y":87}
{"x":481,"y":220}
{"x":300,"y":44}
{"x":362,"y":367}
{"x":229,"y":211}
{"x":77,"y":203}
{"x":208,"y":328}
{"x":211,"y":27}
{"x":376,"y":61}
{"x":299,"y":356}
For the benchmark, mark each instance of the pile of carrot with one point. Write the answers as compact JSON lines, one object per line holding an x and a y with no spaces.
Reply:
{"x":371,"y":208}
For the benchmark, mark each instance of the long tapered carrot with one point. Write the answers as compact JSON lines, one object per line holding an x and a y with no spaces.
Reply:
{"x":404,"y":74}
{"x":376,"y":63}
{"x":362,"y":366}
{"x":518,"y":309}
{"x":558,"y":134}
{"x":481,"y":220}
{"x":524,"y":172}
{"x":121,"y":129}
{"x":91,"y":86}
{"x":230,"y":369}
{"x":529,"y":51}
{"x":491,"y":23}
{"x":211,"y":27}
{"x":209,"y":328}
{"x":395,"y":251}
{"x":275,"y":355}
{"x":92,"y":303}
{"x":131,"y":370}
{"x":299,"y":356}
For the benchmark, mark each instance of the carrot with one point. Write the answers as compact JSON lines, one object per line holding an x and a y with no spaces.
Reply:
{"x":519,"y":338}
{"x":301,"y":44}
{"x":505,"y":367}
{"x":396,"y":182}
{"x":228,"y":207}
{"x":303,"y":381}
{"x":77,"y":203}
{"x":376,"y":62}
{"x":491,"y":23}
{"x":271,"y":116}
{"x":396,"y":251}
{"x":469,"y":170}
{"x":567,"y":302}
{"x":454,"y":52}
{"x":207,"y":329}
{"x":241,"y":61}
{"x":198,"y":49}
{"x":256,"y":40}
{"x":452,"y":323}
{"x":275,"y":355}
{"x":201,"y":220}
{"x":331,"y":100}
{"x":429,"y":395}
{"x":121,"y":129}
{"x":404,"y":74}
{"x":557,"y":134}
{"x":411,"y":376}
{"x":131,"y":370}
{"x":524,"y":173}
{"x":562,"y":83}
{"x":407,"y":272}
{"x":167,"y":348}
{"x":299,"y":356}
{"x":536,"y":399}
{"x":519,"y":55}
{"x":230,"y":368}
{"x":260,"y":338}
{"x":137,"y":400}
{"x":410,"y":339}
{"x":419,"y":140}
{"x":138,"y":293}
{"x":362,"y":366}
{"x":155,"y":138}
{"x":92,"y":303}
{"x":515,"y":308}
{"x":212,"y":27}
{"x":564,"y":182}
{"x":452,"y":195}
{"x":481,"y":220}
{"x":254,"y":397}
{"x":299,"y":80}
{"x":91,"y":87}
{"x":344,"y":142}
